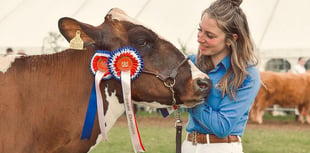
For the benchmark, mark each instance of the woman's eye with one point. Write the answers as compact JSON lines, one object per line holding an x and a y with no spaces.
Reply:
{"x":210,"y":36}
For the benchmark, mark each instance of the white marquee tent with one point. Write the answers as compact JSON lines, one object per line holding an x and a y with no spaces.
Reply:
{"x":275,"y":24}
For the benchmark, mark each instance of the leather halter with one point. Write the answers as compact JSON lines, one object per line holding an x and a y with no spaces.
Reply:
{"x":168,"y":78}
{"x":164,"y":78}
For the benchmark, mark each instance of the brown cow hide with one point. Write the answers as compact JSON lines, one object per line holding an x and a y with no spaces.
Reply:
{"x":37,"y":99}
{"x":285,"y":89}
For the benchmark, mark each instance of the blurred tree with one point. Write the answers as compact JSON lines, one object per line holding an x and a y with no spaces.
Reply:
{"x":51,"y":43}
{"x":183,"y":46}
{"x":278,"y":65}
{"x":307,"y":66}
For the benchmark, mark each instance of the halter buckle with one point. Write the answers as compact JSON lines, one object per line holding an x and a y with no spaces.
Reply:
{"x":178,"y":123}
{"x":169,"y":85}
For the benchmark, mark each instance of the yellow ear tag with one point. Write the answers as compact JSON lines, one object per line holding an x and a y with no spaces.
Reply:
{"x":77,"y":42}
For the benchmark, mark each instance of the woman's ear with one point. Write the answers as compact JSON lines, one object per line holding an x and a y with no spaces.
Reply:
{"x":235,"y":37}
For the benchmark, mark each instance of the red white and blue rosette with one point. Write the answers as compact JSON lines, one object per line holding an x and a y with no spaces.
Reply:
{"x":99,"y":62}
{"x":125,"y":59}
{"x":99,"y":67}
{"x":123,"y":64}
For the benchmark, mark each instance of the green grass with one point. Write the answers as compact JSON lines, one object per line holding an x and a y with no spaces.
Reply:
{"x":257,"y":138}
{"x":276,"y":141}
{"x":155,"y":140}
{"x":287,"y":118}
{"x":162,"y":140}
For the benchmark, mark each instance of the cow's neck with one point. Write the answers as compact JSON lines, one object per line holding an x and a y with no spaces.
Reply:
{"x":115,"y":108}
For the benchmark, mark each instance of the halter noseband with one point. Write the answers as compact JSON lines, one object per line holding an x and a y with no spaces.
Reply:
{"x":170,"y":76}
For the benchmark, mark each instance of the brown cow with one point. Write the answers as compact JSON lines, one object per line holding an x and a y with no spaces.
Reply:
{"x":44,"y":98}
{"x":285,"y":89}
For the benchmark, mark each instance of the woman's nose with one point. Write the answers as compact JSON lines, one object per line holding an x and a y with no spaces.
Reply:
{"x":200,"y":38}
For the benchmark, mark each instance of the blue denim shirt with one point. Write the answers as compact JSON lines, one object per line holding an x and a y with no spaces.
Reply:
{"x":220,"y":115}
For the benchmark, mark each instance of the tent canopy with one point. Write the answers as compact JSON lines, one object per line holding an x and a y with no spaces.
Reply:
{"x":274,"y":24}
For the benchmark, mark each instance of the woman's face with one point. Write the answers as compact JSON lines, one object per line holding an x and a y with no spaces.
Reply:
{"x":211,"y":38}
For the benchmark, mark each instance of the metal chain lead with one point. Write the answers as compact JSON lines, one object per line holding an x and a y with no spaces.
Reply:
{"x":178,"y":124}
{"x":178,"y":113}
{"x":170,"y":86}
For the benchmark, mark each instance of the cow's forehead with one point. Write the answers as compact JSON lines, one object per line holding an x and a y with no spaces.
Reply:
{"x":120,"y":15}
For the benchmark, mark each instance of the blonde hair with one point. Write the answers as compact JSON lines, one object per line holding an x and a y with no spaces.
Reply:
{"x":231,"y":20}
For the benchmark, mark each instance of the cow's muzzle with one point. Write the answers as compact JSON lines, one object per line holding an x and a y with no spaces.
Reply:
{"x":203,"y":86}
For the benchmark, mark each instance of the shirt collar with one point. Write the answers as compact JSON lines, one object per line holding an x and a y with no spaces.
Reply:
{"x":225,"y":63}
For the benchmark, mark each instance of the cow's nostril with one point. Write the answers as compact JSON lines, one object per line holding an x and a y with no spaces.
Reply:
{"x":203,"y":84}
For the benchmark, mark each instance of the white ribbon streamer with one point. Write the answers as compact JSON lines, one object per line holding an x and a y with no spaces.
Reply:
{"x":98,"y":77}
{"x":132,"y":124}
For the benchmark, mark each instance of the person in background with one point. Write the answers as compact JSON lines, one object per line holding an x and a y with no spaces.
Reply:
{"x":9,"y":51}
{"x":226,"y":54}
{"x":299,"y":68}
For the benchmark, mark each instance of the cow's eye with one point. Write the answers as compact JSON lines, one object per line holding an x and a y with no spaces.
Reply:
{"x":142,"y":42}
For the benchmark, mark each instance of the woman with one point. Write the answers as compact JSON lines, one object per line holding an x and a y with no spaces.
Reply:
{"x":226,"y":54}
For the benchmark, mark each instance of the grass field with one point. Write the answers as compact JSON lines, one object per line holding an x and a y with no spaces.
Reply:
{"x":277,"y":135}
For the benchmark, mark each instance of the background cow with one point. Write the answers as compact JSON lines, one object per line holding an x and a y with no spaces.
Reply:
{"x":43,"y":98}
{"x":285,"y":89}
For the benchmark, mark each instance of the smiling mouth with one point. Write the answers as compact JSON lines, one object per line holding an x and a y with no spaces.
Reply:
{"x":202,"y":48}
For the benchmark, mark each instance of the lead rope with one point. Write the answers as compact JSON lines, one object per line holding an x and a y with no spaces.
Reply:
{"x":178,"y":134}
{"x":178,"y":123}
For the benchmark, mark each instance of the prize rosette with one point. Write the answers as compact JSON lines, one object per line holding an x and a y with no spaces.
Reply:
{"x":125,"y":59}
{"x":99,"y":62}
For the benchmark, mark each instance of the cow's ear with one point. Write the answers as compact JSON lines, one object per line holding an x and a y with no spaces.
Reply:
{"x":68,"y":28}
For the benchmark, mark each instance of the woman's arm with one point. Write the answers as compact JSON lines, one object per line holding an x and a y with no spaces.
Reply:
{"x":229,"y":112}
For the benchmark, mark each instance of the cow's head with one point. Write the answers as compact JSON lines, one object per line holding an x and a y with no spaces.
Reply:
{"x":159,"y":55}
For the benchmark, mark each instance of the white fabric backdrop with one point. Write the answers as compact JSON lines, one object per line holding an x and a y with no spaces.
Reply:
{"x":275,"y":24}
